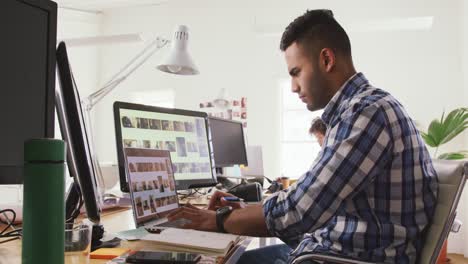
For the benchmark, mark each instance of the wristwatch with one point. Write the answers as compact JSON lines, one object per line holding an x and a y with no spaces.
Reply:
{"x":221,"y":214}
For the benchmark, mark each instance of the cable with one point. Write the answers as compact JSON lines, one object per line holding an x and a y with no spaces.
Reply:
{"x":191,"y":193}
{"x":79,"y":204}
{"x":8,"y":222}
{"x":201,"y":193}
{"x":15,"y":233}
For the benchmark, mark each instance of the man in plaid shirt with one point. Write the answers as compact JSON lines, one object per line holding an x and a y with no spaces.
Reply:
{"x":371,"y":192}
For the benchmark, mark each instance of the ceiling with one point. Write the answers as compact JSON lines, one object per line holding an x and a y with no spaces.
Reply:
{"x":101,"y":5}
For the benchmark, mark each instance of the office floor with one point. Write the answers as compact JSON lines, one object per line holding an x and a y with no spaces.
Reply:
{"x":457,"y":259}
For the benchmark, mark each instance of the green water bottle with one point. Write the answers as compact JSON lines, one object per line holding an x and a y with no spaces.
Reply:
{"x":43,"y":201}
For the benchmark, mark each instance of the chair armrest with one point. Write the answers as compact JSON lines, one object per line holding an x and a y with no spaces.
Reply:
{"x":326,"y":257}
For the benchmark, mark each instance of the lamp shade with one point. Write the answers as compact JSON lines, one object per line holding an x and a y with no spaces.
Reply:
{"x":179,"y":60}
{"x":221,"y":100}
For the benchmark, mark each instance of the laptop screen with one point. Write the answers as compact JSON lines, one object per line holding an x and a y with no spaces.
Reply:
{"x":151,"y":182}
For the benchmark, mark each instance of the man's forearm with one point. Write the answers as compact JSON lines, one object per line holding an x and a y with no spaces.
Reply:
{"x":248,"y":221}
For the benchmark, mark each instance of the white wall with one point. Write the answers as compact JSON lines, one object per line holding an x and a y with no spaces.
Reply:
{"x":235,"y":45}
{"x":84,"y":60}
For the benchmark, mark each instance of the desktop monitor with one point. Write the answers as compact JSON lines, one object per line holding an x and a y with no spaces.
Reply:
{"x":73,"y":130}
{"x":228,"y":142}
{"x":27,"y":73}
{"x":184,"y":133}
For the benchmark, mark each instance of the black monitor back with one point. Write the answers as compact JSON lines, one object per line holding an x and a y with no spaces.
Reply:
{"x":74,"y":132}
{"x":27,"y":79}
{"x":228,"y":142}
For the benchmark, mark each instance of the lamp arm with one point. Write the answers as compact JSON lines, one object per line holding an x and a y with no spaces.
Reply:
{"x":110,"y":85}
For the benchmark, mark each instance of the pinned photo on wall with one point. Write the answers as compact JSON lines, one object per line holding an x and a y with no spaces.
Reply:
{"x":236,"y":110}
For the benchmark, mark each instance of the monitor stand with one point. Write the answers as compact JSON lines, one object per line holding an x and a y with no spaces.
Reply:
{"x":73,"y":204}
{"x":224,"y":180}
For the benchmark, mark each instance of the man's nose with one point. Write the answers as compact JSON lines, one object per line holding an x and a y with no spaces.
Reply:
{"x":294,"y":87}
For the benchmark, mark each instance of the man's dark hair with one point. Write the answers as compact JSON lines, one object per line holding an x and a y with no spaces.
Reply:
{"x":318,"y":126}
{"x":317,"y":29}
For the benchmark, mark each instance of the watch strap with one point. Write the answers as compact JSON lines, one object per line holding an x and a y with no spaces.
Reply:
{"x":221,"y":214}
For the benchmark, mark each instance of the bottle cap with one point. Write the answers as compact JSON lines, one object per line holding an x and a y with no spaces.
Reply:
{"x":44,"y":149}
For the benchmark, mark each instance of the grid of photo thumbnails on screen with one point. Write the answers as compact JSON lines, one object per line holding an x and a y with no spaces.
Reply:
{"x":184,"y":136}
{"x":152,"y":182}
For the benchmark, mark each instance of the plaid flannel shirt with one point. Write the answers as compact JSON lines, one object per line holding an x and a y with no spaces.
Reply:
{"x":371,"y":191}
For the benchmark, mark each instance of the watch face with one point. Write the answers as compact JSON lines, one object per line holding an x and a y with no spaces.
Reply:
{"x":224,"y":209}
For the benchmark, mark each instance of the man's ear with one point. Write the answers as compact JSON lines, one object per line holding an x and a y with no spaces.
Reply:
{"x":327,"y":59}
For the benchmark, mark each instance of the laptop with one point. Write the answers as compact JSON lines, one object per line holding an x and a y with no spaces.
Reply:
{"x":152,"y":188}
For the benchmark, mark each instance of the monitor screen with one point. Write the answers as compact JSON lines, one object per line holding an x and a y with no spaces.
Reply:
{"x":228,"y":142}
{"x":184,"y":133}
{"x":27,"y":74}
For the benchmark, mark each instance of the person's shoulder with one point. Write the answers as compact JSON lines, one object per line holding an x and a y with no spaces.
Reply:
{"x":369,"y":99}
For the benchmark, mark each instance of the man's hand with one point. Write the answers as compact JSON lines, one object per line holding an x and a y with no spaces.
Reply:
{"x":204,"y":220}
{"x":217,"y":201}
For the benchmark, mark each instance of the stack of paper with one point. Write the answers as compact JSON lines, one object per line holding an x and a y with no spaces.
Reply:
{"x":195,"y":241}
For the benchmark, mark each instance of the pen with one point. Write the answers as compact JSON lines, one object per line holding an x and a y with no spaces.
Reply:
{"x":232,"y":199}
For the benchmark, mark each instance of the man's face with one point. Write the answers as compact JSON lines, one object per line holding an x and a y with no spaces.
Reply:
{"x":307,"y":78}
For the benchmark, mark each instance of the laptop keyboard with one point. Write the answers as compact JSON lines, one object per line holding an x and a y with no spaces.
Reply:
{"x":176,"y":223}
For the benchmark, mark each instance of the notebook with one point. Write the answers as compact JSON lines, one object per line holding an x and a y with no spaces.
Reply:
{"x":196,"y":241}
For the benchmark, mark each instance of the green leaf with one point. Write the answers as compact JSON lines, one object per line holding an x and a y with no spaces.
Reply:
{"x":447,"y":127}
{"x":454,"y":155}
{"x":428,"y":139}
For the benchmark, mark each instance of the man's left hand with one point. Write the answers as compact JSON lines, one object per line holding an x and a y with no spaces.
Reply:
{"x":204,"y":220}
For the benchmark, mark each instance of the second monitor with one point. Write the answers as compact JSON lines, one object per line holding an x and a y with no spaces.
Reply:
{"x":228,"y":142}
{"x":184,"y":133}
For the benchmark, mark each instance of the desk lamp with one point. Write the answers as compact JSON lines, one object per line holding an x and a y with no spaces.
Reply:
{"x":177,"y":62}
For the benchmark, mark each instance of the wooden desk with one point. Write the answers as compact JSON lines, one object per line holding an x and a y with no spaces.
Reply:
{"x":114,"y":221}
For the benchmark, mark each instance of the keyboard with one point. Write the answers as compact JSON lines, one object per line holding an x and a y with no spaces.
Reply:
{"x":177,"y":223}
{"x":174,"y":224}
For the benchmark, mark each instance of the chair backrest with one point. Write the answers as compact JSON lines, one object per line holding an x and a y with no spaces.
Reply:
{"x":452,"y":176}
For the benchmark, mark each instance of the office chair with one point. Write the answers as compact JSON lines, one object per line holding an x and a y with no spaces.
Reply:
{"x":452,"y":176}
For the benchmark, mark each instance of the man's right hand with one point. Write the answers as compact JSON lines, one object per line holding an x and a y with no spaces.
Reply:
{"x":217,"y":201}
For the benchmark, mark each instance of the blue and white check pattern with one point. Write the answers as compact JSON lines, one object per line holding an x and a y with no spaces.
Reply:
{"x":370,"y":193}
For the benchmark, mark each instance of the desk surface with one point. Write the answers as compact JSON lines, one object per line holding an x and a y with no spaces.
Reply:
{"x":114,"y":221}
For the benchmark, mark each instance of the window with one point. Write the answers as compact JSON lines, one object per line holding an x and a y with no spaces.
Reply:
{"x":298,"y":148}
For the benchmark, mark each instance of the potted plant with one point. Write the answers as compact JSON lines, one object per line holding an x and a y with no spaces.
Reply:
{"x":443,"y":130}
{"x":440,"y":132}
